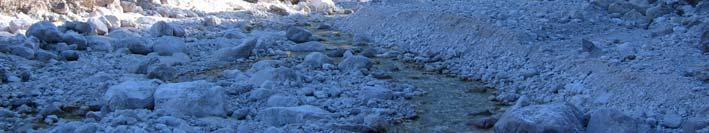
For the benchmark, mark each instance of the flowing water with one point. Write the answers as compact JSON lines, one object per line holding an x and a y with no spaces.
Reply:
{"x":448,"y":105}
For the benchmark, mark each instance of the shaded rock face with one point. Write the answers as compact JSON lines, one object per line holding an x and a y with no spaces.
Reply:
{"x":560,"y":118}
{"x":298,"y":35}
{"x":197,"y":98}
{"x":45,"y":31}
{"x":242,"y":51}
{"x":131,"y":95}
{"x":610,"y":120}
{"x":280,"y":116}
{"x":163,"y":28}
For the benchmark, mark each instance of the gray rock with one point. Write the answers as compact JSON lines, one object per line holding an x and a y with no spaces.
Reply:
{"x":43,"y":55}
{"x":75,"y":38}
{"x":484,"y":122}
{"x":130,"y":7}
{"x":275,"y":75}
{"x":161,"y":71}
{"x":197,"y":98}
{"x":242,"y":51}
{"x":259,"y":94}
{"x":704,"y":42}
{"x":212,"y":21}
{"x":280,"y":116}
{"x":376,"y":92}
{"x":298,"y":35}
{"x":65,"y":127}
{"x":87,"y":128}
{"x":234,"y":34}
{"x":588,"y":46}
{"x":316,"y":59}
{"x":353,"y":63}
{"x":559,"y":117}
{"x":131,"y":94}
{"x":167,"y":45}
{"x":70,"y":55}
{"x":45,"y":31}
{"x":99,"y":43}
{"x":361,"y":40}
{"x":611,"y":120}
{"x":22,"y":51}
{"x":312,"y":46}
{"x":163,"y":28}
{"x":263,"y":64}
{"x":282,"y":101}
{"x":80,"y":27}
{"x":60,"y":8}
{"x":278,"y":10}
{"x":112,"y":22}
{"x":103,"y":3}
{"x":671,"y":120}
{"x":137,"y":46}
{"x":100,"y":27}
{"x":3,"y":75}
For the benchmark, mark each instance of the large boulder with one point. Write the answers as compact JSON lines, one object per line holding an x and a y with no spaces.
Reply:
{"x":298,"y":35}
{"x":611,"y":120}
{"x":352,"y":63}
{"x":197,"y":98}
{"x":80,"y":27}
{"x":275,"y":75}
{"x":45,"y":31}
{"x":167,"y":45}
{"x":242,"y":51}
{"x":131,"y":94}
{"x":163,"y":28}
{"x":280,"y":116}
{"x":559,"y":118}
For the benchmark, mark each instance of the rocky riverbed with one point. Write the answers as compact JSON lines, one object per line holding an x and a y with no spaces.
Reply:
{"x":354,"y":66}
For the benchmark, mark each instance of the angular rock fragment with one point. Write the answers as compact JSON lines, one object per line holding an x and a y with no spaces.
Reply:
{"x":197,"y":98}
{"x":100,"y":27}
{"x":298,"y":35}
{"x":242,"y":51}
